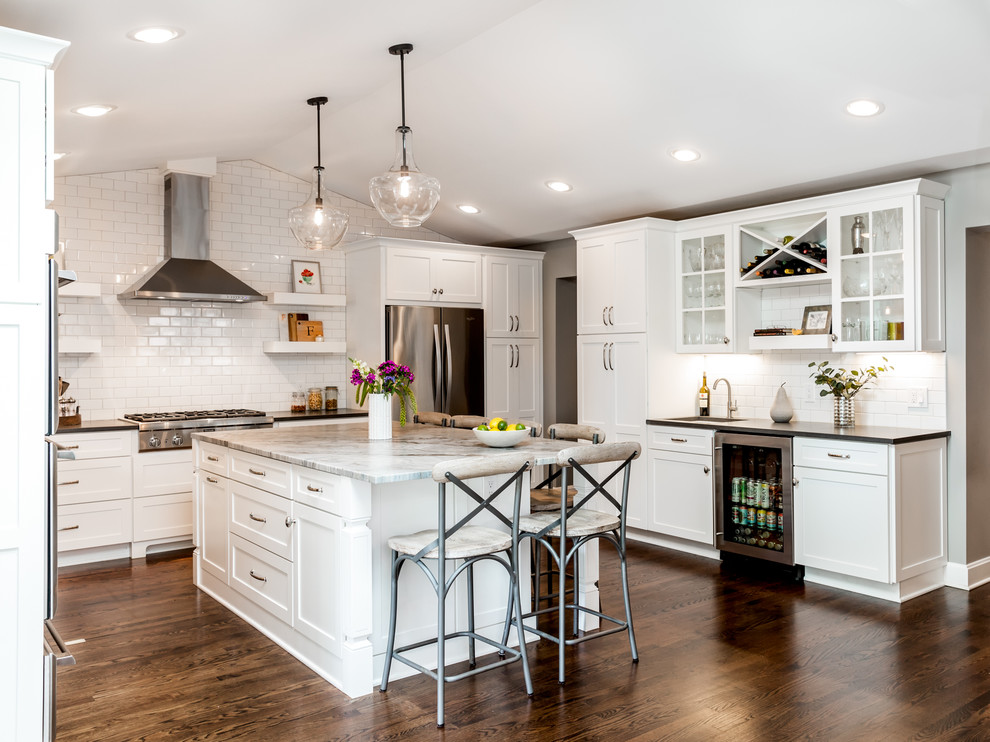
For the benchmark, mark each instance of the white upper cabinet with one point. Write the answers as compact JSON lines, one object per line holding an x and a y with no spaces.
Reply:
{"x":440,"y":276}
{"x":512,"y":307}
{"x":611,"y":266}
{"x":703,"y":293}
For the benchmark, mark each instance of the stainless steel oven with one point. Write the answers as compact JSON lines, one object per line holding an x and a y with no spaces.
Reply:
{"x":754,"y":498}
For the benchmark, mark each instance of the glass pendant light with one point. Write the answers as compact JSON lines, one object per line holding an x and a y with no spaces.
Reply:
{"x":316,"y":224}
{"x":404,"y":196}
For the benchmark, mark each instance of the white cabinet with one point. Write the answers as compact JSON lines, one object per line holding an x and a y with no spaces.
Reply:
{"x":317,"y":575}
{"x":611,"y":268}
{"x":703,"y":294}
{"x":513,"y":384}
{"x":612,"y":376}
{"x":163,"y":501}
{"x":512,"y":306}
{"x":870,"y":511}
{"x":450,"y":277}
{"x":212,"y":517}
{"x":680,"y":481}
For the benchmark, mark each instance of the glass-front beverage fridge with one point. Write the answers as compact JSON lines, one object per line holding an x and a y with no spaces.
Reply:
{"x":754,"y":496}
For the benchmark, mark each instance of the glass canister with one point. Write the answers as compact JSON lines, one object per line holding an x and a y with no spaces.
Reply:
{"x":330,"y":397}
{"x":297,"y":402}
{"x":314,"y":399}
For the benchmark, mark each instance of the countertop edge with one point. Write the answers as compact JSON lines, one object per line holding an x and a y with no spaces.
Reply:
{"x":866,"y":433}
{"x":283,"y":416}
{"x":96,"y":426}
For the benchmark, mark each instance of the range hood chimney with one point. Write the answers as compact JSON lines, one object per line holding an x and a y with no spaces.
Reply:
{"x":187,"y":273}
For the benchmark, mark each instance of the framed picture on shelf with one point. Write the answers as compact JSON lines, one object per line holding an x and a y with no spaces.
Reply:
{"x":817,"y":320}
{"x":306,"y":277}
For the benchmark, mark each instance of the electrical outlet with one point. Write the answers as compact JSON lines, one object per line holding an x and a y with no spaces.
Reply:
{"x":917,"y":398}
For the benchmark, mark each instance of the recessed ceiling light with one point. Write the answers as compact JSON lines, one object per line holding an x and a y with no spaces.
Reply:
{"x":864,"y":107}
{"x":155,"y":34}
{"x":682,"y":154}
{"x":58,"y":155}
{"x":559,"y":186}
{"x":469,"y":209}
{"x":94,"y":109}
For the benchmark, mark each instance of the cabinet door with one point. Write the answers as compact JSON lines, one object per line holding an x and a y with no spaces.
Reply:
{"x":513,"y":383}
{"x":627,"y":307}
{"x":212,"y":517}
{"x":527,"y":405}
{"x":842,"y":522}
{"x":703,"y":293}
{"x":500,"y":356}
{"x":682,"y":502}
{"x":528,"y":296}
{"x":500,"y":310}
{"x":408,"y":275}
{"x":627,"y":367}
{"x":595,"y":392}
{"x":595,"y":260}
{"x":457,"y":278}
{"x":317,"y":575}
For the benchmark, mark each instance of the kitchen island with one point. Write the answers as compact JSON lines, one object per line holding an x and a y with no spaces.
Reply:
{"x":292,"y":528}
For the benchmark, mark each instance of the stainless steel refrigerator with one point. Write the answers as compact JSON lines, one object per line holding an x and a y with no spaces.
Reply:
{"x":445,"y":348}
{"x":55,"y":652}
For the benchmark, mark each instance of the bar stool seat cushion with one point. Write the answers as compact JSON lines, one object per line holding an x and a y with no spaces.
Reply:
{"x":469,"y":541}
{"x":581,"y":523}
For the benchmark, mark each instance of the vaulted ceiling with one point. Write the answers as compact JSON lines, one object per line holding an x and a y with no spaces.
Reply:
{"x":504,"y":95}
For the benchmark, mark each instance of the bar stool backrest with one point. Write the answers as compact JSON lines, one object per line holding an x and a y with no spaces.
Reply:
{"x":571,"y":432}
{"x":432,"y":418}
{"x":573,"y":461}
{"x":471,"y":467}
{"x":467,"y":421}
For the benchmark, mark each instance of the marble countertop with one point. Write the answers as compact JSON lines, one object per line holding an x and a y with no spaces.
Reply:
{"x":411,"y":453}
{"x":867,"y":433}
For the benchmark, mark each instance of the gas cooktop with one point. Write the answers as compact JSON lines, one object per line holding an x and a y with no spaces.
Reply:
{"x":159,"y":431}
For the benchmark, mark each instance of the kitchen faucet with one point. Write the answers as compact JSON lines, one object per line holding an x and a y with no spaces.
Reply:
{"x":730,"y":407}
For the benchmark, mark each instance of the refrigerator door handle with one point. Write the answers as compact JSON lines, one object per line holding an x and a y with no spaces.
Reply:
{"x":438,"y":360}
{"x":61,"y":652}
{"x":450,"y":366}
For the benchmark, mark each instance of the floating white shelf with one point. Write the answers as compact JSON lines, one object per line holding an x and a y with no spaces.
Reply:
{"x":74,"y":345}
{"x":80,"y":288}
{"x":791,"y":342}
{"x":306,"y":300}
{"x":283,"y":346}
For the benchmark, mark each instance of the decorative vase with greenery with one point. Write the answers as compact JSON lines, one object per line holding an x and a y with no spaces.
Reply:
{"x":844,"y":385}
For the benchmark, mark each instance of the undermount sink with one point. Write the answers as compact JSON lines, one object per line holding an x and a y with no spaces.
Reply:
{"x":705,"y":419}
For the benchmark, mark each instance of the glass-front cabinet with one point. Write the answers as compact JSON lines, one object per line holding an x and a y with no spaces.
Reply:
{"x":704,"y":292}
{"x":874,"y":297}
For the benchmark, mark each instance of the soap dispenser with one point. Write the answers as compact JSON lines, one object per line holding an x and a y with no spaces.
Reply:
{"x":781,"y":410}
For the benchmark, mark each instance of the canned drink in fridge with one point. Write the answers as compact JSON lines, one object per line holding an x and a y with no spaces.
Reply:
{"x":751,"y":516}
{"x":751,"y":492}
{"x":780,"y":522}
{"x":737,"y":486}
{"x":761,"y":518}
{"x":764,"y":494}
{"x":771,"y":520}
{"x":736,"y":515}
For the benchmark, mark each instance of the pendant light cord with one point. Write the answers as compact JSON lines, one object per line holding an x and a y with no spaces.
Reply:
{"x":402,"y":87}
{"x":319,"y":101}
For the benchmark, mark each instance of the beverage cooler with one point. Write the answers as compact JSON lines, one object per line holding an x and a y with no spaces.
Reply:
{"x":754,"y":502}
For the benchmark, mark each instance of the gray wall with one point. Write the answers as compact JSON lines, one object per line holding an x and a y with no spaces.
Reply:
{"x":977,"y":394}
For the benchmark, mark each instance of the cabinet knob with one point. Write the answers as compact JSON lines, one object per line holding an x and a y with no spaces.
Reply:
{"x":795,"y":482}
{"x":289,"y":520}
{"x":434,"y":291}
{"x":725,"y":341}
{"x":441,"y":291}
{"x":707,"y":470}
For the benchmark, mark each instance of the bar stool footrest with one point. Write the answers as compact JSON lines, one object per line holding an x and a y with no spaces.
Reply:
{"x":513,"y":655}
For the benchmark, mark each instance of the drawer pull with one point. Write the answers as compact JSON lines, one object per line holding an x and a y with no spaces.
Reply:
{"x":256,"y":518}
{"x":311,"y":488}
{"x":256,"y":472}
{"x":678,"y":440}
{"x":63,"y":484}
{"x":259,"y":579}
{"x":838,"y":455}
{"x":69,"y":528}
{"x":212,"y":458}
{"x":211,"y":480}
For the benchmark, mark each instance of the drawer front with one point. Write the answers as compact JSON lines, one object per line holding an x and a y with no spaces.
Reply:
{"x":99,"y":445}
{"x":94,"y":524}
{"x":163,"y":473}
{"x":264,"y":473}
{"x":163,"y":516}
{"x":316,"y":489}
{"x":93,"y":480}
{"x":850,"y":456}
{"x":261,"y":577}
{"x":688,"y":440}
{"x":213,"y":458}
{"x":262,"y":518}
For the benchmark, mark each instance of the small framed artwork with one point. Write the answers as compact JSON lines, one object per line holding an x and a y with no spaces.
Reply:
{"x":306,"y":277}
{"x":817,"y":320}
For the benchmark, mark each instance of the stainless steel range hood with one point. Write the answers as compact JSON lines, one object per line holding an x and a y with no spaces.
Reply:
{"x":187,"y":273}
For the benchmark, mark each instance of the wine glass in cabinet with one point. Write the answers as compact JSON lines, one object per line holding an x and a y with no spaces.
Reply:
{"x":703,"y":292}
{"x":873,"y":299}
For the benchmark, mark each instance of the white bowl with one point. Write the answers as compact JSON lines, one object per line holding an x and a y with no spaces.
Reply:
{"x":501,"y":438}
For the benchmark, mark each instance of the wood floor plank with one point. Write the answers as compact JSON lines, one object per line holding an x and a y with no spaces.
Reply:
{"x":726,"y":654}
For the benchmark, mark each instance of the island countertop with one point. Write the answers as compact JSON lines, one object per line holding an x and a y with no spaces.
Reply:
{"x":411,"y":453}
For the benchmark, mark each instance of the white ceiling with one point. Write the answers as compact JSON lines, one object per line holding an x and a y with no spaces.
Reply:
{"x":503,"y":95}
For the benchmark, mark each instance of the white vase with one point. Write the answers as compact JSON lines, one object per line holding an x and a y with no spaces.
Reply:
{"x":379,"y":416}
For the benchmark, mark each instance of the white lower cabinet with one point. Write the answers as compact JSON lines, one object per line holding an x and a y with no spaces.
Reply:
{"x":94,"y":524}
{"x":212,"y":518}
{"x":680,"y":495}
{"x":262,"y":577}
{"x":316,"y":549}
{"x":163,"y":501}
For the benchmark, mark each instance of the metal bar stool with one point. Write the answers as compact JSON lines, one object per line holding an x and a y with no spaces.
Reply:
{"x":580,"y":526}
{"x":467,"y":421}
{"x":471,"y":544}
{"x":432,"y":418}
{"x":545,"y":497}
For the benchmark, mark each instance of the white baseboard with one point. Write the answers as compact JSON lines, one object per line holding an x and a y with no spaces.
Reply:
{"x":967,"y":576}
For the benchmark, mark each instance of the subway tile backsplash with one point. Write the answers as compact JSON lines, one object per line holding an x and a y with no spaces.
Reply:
{"x":169,"y":355}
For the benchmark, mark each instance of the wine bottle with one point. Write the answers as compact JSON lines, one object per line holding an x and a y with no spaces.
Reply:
{"x":703,"y":408}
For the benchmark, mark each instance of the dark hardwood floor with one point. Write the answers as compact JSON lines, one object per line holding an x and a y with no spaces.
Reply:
{"x":725,"y":655}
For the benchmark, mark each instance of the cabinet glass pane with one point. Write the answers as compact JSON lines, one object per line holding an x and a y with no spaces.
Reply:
{"x":714,"y":327}
{"x":846,"y":241}
{"x":691,"y":255}
{"x":714,"y":252}
{"x":692,"y":322}
{"x":888,"y":274}
{"x":714,"y":290}
{"x":856,"y":324}
{"x":855,"y":277}
{"x":887,"y":229}
{"x":691,"y":292}
{"x":888,"y":319}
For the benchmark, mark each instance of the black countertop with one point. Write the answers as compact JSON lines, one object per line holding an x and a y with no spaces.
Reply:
{"x":96,"y":426}
{"x":342,"y":412}
{"x":867,"y":433}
